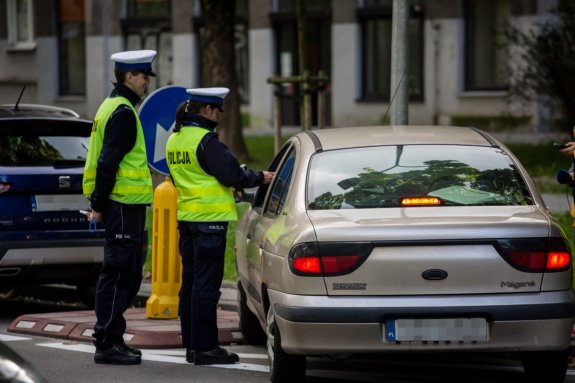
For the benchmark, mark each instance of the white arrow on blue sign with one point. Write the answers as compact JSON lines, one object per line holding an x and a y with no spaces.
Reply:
{"x":158,"y":115}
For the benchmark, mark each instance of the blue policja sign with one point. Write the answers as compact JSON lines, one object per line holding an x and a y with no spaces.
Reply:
{"x":158,"y":114}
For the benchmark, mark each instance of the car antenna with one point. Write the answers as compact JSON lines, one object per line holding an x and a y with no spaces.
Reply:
{"x":19,"y":98}
{"x":393,"y":97}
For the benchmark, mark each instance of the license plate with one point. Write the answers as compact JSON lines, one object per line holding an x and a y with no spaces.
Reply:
{"x":437,"y":329}
{"x":58,"y":202}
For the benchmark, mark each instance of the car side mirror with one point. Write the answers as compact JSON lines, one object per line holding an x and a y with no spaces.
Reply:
{"x":238,"y":195}
{"x":243,"y":196}
{"x":248,"y":197}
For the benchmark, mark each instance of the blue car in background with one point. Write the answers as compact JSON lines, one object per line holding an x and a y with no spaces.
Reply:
{"x":43,"y":237}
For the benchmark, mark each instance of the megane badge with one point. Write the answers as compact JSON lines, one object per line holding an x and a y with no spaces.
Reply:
{"x":349,"y":286}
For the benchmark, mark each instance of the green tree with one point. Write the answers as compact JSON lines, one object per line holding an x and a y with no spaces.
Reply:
{"x":547,"y":60}
{"x":218,"y":68}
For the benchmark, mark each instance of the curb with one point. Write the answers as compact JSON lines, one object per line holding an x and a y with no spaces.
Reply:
{"x":141,"y":331}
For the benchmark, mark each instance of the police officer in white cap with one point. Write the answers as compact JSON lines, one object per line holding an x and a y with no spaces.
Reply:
{"x":204,"y":172}
{"x":118,"y":183}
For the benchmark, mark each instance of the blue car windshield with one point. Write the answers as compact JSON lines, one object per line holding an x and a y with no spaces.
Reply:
{"x":384,"y":176}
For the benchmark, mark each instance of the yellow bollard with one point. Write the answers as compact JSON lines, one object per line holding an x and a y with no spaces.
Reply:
{"x":166,"y":263}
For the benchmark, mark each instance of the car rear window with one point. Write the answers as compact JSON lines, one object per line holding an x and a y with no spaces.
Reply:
{"x":379,"y":177}
{"x":41,"y":147}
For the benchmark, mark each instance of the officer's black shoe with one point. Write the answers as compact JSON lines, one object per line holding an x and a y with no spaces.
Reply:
{"x":116,"y":355}
{"x":189,"y":355}
{"x":215,"y":356}
{"x":131,"y":349}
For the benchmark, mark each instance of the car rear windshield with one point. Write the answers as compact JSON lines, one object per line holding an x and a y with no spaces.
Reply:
{"x":385,"y":176}
{"x":23,"y":148}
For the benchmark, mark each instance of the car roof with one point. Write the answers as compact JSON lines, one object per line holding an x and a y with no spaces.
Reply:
{"x":35,"y":110}
{"x":42,"y":120}
{"x":339,"y":138}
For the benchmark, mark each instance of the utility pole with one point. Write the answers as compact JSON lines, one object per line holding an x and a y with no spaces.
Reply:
{"x":399,"y":63}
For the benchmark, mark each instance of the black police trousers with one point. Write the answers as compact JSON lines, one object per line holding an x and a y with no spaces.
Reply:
{"x":121,"y":272}
{"x":202,"y":248}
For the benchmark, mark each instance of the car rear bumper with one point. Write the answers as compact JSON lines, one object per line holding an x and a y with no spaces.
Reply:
{"x":48,"y":252}
{"x":64,"y":261}
{"x":330,"y":325}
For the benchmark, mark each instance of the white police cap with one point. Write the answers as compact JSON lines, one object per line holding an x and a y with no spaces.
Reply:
{"x":208,"y":95}
{"x":131,"y":61}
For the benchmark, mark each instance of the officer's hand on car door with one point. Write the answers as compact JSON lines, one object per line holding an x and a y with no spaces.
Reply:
{"x":268,"y":176}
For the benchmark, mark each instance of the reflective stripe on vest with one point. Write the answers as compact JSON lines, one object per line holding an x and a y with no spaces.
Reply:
{"x":200,"y":196}
{"x":133,"y":179}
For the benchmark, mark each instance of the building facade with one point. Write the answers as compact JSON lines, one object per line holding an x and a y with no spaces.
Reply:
{"x":459,"y":63}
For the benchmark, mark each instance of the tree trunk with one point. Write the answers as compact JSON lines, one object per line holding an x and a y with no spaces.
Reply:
{"x":218,"y":68}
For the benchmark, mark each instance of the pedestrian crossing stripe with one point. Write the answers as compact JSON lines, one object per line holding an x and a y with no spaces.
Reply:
{"x":166,"y":356}
{"x":177,"y":356}
{"x":11,"y":338}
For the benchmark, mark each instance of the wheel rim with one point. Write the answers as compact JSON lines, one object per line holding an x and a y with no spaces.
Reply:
{"x":270,"y":335}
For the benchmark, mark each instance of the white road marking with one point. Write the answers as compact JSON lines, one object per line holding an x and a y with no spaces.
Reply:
{"x":243,"y":366}
{"x":71,"y":346}
{"x":11,"y":338}
{"x":253,"y":356}
{"x":175,"y":356}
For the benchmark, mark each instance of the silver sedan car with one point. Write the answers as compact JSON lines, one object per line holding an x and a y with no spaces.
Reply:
{"x":403,"y":239}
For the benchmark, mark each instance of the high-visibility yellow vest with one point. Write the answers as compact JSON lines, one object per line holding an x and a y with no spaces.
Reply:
{"x":200,"y":196}
{"x":133,"y":179}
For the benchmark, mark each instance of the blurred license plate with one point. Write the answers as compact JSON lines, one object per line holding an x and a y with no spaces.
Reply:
{"x":438,"y":329}
{"x":57,"y":202}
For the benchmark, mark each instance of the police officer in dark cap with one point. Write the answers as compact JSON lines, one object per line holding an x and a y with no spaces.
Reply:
{"x":118,"y":183}
{"x":204,"y":171}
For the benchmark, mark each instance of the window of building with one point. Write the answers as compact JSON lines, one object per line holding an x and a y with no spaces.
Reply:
{"x":148,"y":8}
{"x":375,"y":18}
{"x":147,"y":25}
{"x":486,"y":51}
{"x":20,"y":18}
{"x":72,"y":47}
{"x":310,"y":5}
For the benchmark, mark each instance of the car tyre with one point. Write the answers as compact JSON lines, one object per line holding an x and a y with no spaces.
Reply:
{"x":249,"y":324}
{"x":87,"y":295}
{"x":284,"y":367}
{"x":545,"y":366}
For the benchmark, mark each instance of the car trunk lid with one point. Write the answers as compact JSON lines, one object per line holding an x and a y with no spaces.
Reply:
{"x":42,"y":198}
{"x":432,"y":250}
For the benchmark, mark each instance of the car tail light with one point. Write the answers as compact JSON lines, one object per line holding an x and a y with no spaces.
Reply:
{"x":328,"y":259}
{"x":536,"y":255}
{"x":307,"y":265}
{"x":4,"y":187}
